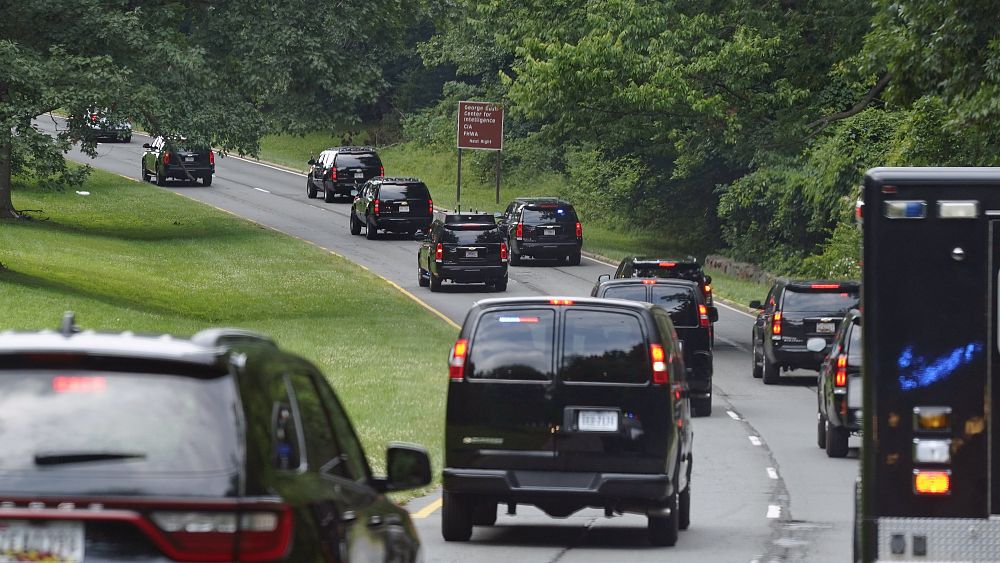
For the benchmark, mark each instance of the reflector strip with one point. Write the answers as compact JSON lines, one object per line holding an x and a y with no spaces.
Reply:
{"x":906,"y":209}
{"x":931,"y":482}
{"x":958,"y":209}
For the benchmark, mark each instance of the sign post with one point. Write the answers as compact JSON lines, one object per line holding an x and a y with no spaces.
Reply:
{"x":480,"y":127}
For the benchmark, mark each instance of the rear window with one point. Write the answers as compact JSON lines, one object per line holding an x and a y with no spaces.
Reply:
{"x":629,"y":292}
{"x":604,"y":347}
{"x":460,"y":235}
{"x":680,"y":302}
{"x":820,"y":301}
{"x":403,"y":191}
{"x":690,"y":272}
{"x":549,"y":215}
{"x":358,"y":160}
{"x":157,"y":423}
{"x":513,"y":344}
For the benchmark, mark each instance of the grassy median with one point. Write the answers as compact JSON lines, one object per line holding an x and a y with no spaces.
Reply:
{"x":130,"y":256}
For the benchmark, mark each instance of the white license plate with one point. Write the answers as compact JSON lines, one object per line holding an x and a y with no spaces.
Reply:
{"x":188,"y":159}
{"x":550,"y":232}
{"x":826,"y":328}
{"x":854,"y":392}
{"x":404,"y":208}
{"x":472,"y":254}
{"x":20,"y":540}
{"x":597,"y":421}
{"x":359,"y":174}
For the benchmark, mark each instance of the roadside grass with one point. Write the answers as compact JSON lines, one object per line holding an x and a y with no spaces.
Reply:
{"x":741,"y":292}
{"x":132,"y":257}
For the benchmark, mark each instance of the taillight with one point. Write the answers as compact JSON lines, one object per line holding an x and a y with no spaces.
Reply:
{"x":776,"y":324}
{"x":931,"y":482}
{"x":93,"y":118}
{"x":456,"y":360}
{"x":217,"y":536}
{"x":430,"y":206}
{"x":381,"y":170}
{"x":166,"y":157}
{"x":503,"y":251}
{"x":707,"y":289}
{"x":825,"y":286}
{"x":560,"y":301}
{"x":439,"y":253}
{"x":375,"y":210}
{"x":660,"y":374}
{"x":579,"y":230}
{"x":333,"y":176}
{"x":703,"y":316}
{"x":840,"y":378}
{"x":211,"y":157}
{"x":519,"y":231}
{"x":648,"y":282}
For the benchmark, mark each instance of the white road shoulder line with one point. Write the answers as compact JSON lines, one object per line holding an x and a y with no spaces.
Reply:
{"x":265,"y":165}
{"x":772,"y":473}
{"x":755,"y":440}
{"x":262,"y":190}
{"x":731,"y":308}
{"x":733,"y":415}
{"x":773,"y":511}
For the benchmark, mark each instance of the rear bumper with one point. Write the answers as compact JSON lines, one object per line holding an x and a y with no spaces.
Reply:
{"x":402,"y":224}
{"x":195,"y":170}
{"x":472,"y":274}
{"x":343,"y":187}
{"x":547,"y":249}
{"x":594,"y":489}
{"x":794,"y":356}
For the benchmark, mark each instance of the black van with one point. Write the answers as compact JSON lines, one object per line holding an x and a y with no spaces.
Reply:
{"x":692,"y":318}
{"x":565,"y":404}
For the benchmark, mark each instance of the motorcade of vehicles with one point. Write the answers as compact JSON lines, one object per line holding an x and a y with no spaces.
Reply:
{"x":693,"y":320}
{"x":166,"y":158}
{"x":397,"y":205}
{"x":544,"y":228}
{"x":567,"y":403}
{"x":930,"y":449}
{"x":793,"y":312}
{"x":838,"y":389}
{"x":463,"y":248}
{"x":340,"y":171}
{"x":221,"y":447}
{"x":686,"y":268}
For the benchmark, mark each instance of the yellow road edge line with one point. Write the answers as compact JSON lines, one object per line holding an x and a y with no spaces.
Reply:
{"x":416,"y":299}
{"x":427,"y":510}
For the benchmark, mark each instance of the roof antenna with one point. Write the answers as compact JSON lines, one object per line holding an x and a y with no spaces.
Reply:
{"x":68,"y":327}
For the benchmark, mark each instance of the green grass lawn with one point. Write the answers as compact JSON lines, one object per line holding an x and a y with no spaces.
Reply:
{"x":739,"y":291}
{"x":130,"y":256}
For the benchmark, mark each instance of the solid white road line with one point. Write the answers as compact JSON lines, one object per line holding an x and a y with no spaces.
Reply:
{"x":265,"y":165}
{"x":772,"y":473}
{"x":262,"y":190}
{"x":755,"y":440}
{"x":733,"y":415}
{"x":731,"y":308}
{"x":773,"y":511}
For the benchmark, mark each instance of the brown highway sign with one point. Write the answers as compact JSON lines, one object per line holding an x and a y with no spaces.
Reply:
{"x":480,"y":126}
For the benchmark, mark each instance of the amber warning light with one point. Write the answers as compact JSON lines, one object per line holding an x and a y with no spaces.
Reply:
{"x":931,"y":482}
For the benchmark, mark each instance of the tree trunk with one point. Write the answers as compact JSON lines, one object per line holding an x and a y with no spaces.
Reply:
{"x":7,"y":210}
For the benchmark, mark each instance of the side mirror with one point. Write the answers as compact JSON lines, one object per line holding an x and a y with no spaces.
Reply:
{"x":816,"y":345}
{"x":146,"y":146}
{"x":311,"y":162}
{"x":408,"y":467}
{"x":755,"y":304}
{"x":713,"y":314}
{"x":708,"y":279}
{"x":603,"y":277}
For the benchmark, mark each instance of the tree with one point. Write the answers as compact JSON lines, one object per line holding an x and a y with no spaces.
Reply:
{"x":221,"y":72}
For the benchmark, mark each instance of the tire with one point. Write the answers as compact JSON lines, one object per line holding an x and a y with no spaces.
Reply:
{"x":663,"y":530}
{"x":161,"y":179}
{"x":421,"y":280}
{"x":500,"y":285}
{"x":574,"y":259}
{"x":515,"y":258}
{"x":329,"y":196}
{"x":206,"y":180}
{"x":836,"y":441}
{"x":371,"y":233}
{"x":142,"y":175}
{"x":355,"y":224}
{"x":684,"y":508}
{"x":435,"y":283}
{"x":758,"y":371}
{"x":310,"y":189}
{"x":821,"y":431}
{"x":701,"y":407}
{"x":484,"y":513}
{"x":456,"y":517}
{"x":771,"y":373}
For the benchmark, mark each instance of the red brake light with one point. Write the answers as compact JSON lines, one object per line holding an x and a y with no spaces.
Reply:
{"x":166,"y":157}
{"x":840,"y":378}
{"x":430,"y":206}
{"x":667,"y":264}
{"x":579,"y":230}
{"x":931,"y":482}
{"x":707,"y":288}
{"x":703,"y":316}
{"x":211,"y":157}
{"x":93,"y":118}
{"x":503,"y":251}
{"x":560,"y":301}
{"x":333,"y":174}
{"x":381,"y":170}
{"x":456,"y":361}
{"x":648,"y":282}
{"x":78,"y":384}
{"x":776,"y":324}
{"x":519,"y":231}
{"x":439,"y":253}
{"x":825,"y":286}
{"x":375,"y":211}
{"x":212,"y":536}
{"x":660,"y":374}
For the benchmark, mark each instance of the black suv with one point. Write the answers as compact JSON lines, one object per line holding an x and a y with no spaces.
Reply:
{"x":647,"y":267}
{"x":692,"y":318}
{"x":563,"y":404}
{"x":166,"y":158}
{"x":218,"y":448}
{"x":341,"y":170}
{"x":463,"y":248}
{"x":542,"y":227}
{"x":794,"y":312}
{"x":838,"y":391}
{"x":98,"y":125}
{"x":398,"y":205}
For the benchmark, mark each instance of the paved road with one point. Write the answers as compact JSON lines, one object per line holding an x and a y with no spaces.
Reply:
{"x":762,"y":490}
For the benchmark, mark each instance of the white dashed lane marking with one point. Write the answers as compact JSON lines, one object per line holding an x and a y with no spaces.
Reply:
{"x":733,"y":415}
{"x":773,"y":511}
{"x":772,"y":473}
{"x":755,"y":440}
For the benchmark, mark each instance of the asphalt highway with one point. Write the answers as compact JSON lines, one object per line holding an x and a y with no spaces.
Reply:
{"x":761,"y":489}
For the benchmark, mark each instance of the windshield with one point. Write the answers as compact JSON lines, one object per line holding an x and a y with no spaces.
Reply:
{"x":819,"y":301}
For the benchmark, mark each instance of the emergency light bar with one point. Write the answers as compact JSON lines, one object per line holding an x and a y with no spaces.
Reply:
{"x":905,"y":209}
{"x":958,"y":209}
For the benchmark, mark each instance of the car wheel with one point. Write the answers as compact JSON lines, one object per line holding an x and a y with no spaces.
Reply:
{"x":836,"y":441}
{"x":421,"y":279}
{"x":355,"y":224}
{"x":771,"y":372}
{"x":310,"y":189}
{"x":142,"y":173}
{"x":701,"y":407}
{"x":758,"y":371}
{"x":684,"y":508}
{"x":161,"y":179}
{"x":574,"y":259}
{"x":206,"y":180}
{"x":515,"y":258}
{"x":821,"y":431}
{"x":663,"y":530}
{"x":329,"y":196}
{"x":456,"y":518}
{"x":371,"y":233}
{"x":484,"y":513}
{"x":500,"y":285}
{"x":435,"y":283}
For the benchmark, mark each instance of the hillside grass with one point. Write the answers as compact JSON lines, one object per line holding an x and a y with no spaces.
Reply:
{"x":130,"y":256}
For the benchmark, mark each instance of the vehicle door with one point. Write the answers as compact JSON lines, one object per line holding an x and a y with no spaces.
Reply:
{"x":320,"y":169}
{"x":151,"y":158}
{"x":613,"y":417}
{"x":501,"y":415}
{"x":762,"y":322}
{"x":428,"y":248}
{"x":506,"y":220}
{"x":362,"y":205}
{"x":827,"y":371}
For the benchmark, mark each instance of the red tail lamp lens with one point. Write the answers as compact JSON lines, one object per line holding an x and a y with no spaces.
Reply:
{"x":519,"y":231}
{"x":667,"y":264}
{"x":333,"y":174}
{"x":579,"y":230}
{"x":660,"y":374}
{"x":211,"y":157}
{"x":430,"y":206}
{"x":456,"y":361}
{"x":648,"y":282}
{"x":931,"y":482}
{"x":560,"y":301}
{"x":166,"y":157}
{"x":703,"y":316}
{"x":776,"y":325}
{"x":825,"y":286}
{"x":78,"y":384}
{"x":381,"y":170}
{"x":439,"y":252}
{"x":503,"y":250}
{"x":840,"y":379}
{"x":376,"y":208}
